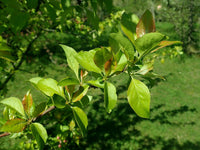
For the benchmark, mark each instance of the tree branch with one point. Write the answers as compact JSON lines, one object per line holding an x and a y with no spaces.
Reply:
{"x":42,"y":114}
{"x":16,"y":67}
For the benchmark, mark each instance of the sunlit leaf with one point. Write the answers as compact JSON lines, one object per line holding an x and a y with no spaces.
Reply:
{"x":139,"y":98}
{"x":146,"y":43}
{"x":49,"y":87}
{"x":15,"y":104}
{"x":82,"y":91}
{"x":40,"y":134}
{"x":86,"y":60}
{"x":14,"y":125}
{"x":146,"y":24}
{"x":166,"y":43}
{"x":81,"y":119}
{"x":110,"y":96}
{"x":71,"y":60}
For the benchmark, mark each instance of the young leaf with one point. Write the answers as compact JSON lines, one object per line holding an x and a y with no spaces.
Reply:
{"x":59,"y":101}
{"x":146,"y":24}
{"x":14,"y":125}
{"x":81,"y":119}
{"x":68,"y":81}
{"x":119,"y":42}
{"x":82,"y":91}
{"x":27,"y":102}
{"x":49,"y":87}
{"x":139,"y":98}
{"x":101,"y":57}
{"x":38,"y":109}
{"x":165,"y":43}
{"x":15,"y":104}
{"x":40,"y":134}
{"x":71,"y":60}
{"x":86,"y":60}
{"x":146,"y":43}
{"x":110,"y":96}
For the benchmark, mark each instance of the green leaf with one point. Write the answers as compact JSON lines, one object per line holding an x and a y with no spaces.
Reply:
{"x":18,"y":20}
{"x":128,"y":26}
{"x":35,"y":80}
{"x":68,"y":81}
{"x":121,"y":64}
{"x":59,"y":101}
{"x":97,"y":83}
{"x":49,"y":87}
{"x":5,"y":51}
{"x":14,"y":125}
{"x":27,"y":102}
{"x":92,"y":19}
{"x":119,"y":42}
{"x":81,"y":119}
{"x":85,"y":59}
{"x":146,"y":43}
{"x":146,"y":24}
{"x":6,"y":113}
{"x":15,"y":104}
{"x":71,"y":60}
{"x":165,"y":43}
{"x":40,"y":134}
{"x":139,"y":98}
{"x":6,"y":55}
{"x":32,"y":4}
{"x":101,"y":56}
{"x":38,"y":109}
{"x":110,"y":96}
{"x":82,"y":91}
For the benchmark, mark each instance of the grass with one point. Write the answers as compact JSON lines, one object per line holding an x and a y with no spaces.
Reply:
{"x":175,"y":110}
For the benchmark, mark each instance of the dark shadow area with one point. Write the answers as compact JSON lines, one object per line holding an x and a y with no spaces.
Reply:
{"x":111,"y":131}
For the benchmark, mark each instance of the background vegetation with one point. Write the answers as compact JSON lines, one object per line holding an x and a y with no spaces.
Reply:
{"x":175,"y":102}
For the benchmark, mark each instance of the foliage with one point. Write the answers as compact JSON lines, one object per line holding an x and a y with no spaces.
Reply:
{"x":69,"y":96}
{"x":32,"y":28}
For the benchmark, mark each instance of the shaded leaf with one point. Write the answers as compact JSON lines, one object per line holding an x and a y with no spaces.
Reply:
{"x":128,"y":26}
{"x":15,"y":104}
{"x":38,"y":109}
{"x":27,"y":102}
{"x":14,"y":125}
{"x":68,"y":81}
{"x":81,"y":119}
{"x":119,"y":42}
{"x":101,"y":56}
{"x":139,"y":98}
{"x":97,"y":83}
{"x":110,"y":96}
{"x":146,"y":24}
{"x":59,"y":101}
